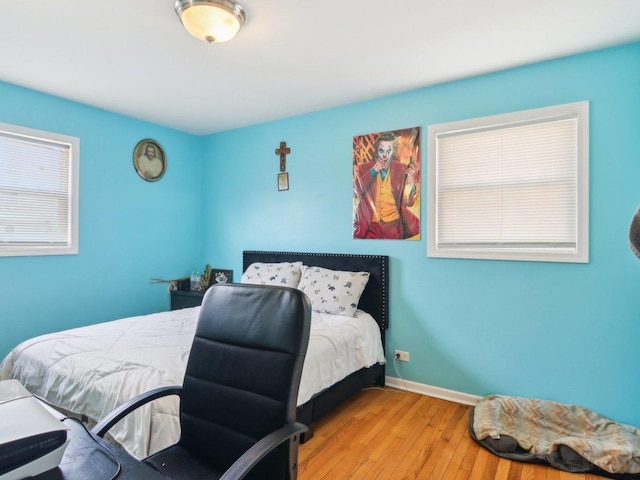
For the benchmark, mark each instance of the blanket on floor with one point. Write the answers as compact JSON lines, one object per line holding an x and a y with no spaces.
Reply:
{"x":553,"y":433}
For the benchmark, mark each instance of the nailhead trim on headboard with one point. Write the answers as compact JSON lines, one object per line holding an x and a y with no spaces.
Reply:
{"x":375,"y":296}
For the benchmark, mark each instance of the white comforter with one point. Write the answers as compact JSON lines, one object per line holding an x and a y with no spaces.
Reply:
{"x":91,"y":370}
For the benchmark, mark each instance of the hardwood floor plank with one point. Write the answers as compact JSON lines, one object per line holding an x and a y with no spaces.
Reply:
{"x":416,"y":448}
{"x":502,"y":471}
{"x":390,"y":434}
{"x":454,"y":451}
{"x":479,"y":466}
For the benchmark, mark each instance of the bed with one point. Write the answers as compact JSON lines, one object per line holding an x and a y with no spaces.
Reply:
{"x":86,"y":372}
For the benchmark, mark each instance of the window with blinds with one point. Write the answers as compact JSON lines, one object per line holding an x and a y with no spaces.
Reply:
{"x":511,"y":187}
{"x":38,"y":192}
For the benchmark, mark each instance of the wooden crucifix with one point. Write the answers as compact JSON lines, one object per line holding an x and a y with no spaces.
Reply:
{"x":283,"y":151}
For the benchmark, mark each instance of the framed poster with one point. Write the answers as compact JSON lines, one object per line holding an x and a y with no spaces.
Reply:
{"x":386,"y":185}
{"x":149,"y":160}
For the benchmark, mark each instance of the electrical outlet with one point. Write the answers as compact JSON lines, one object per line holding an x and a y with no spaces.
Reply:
{"x":402,"y":356}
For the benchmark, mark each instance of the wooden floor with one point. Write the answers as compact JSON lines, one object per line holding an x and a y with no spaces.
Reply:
{"x":392,"y":434}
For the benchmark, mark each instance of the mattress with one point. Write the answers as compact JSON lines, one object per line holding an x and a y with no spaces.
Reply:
{"x":91,"y":370}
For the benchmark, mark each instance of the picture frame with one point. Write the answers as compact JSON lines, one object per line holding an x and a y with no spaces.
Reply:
{"x":220,"y":275}
{"x":283,"y":181}
{"x":149,"y":160}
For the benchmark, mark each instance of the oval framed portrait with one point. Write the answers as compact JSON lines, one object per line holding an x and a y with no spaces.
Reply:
{"x":149,"y":160}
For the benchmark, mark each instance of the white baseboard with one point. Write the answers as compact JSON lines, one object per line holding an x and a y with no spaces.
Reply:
{"x":431,"y":391}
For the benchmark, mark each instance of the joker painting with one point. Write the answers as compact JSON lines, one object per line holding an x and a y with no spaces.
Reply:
{"x":386,"y":185}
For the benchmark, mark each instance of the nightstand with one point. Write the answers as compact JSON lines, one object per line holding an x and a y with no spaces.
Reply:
{"x":185,"y":298}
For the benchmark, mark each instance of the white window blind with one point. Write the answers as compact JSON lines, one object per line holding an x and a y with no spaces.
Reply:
{"x":511,"y":186}
{"x":38,"y":192}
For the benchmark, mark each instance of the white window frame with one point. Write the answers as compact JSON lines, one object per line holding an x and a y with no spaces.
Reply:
{"x":549,"y":253}
{"x":36,"y":246}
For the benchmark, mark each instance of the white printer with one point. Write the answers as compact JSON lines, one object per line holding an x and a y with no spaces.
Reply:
{"x":32,"y":437}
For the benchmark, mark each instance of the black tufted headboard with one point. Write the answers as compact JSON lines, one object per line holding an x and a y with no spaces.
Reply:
{"x":374,"y":299}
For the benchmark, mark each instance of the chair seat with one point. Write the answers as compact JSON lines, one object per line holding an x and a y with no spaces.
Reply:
{"x":178,"y":464}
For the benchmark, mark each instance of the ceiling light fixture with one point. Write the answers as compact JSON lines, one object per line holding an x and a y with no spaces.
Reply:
{"x":212,"y":21}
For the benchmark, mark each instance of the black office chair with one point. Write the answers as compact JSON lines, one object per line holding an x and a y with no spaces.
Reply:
{"x":238,"y":399}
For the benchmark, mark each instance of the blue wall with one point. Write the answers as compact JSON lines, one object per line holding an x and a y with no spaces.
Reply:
{"x":566,"y":332}
{"x":129,"y":231}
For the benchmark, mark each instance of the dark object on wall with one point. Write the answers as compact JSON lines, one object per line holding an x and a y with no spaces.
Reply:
{"x":283,"y":151}
{"x":283,"y":176}
{"x":634,"y":233}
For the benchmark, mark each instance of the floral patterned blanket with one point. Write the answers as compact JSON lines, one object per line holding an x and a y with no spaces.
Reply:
{"x":554,"y":432}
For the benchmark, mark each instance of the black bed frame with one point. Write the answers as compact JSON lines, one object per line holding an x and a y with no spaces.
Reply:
{"x":374,"y":300}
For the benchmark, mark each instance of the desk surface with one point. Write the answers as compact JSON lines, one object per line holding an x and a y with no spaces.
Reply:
{"x":90,"y":458}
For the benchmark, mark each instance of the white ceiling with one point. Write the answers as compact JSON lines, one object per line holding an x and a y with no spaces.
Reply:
{"x":291,"y":57}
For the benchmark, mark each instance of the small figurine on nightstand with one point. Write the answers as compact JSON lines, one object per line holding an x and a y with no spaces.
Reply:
{"x":206,"y":277}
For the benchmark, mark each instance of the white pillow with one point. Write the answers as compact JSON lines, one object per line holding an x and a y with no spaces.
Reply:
{"x":333,"y":291}
{"x":285,"y":274}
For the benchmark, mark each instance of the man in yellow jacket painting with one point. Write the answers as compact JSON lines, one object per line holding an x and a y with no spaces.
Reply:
{"x":384,"y":189}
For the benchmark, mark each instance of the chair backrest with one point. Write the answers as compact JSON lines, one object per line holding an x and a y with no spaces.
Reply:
{"x":244,"y":370}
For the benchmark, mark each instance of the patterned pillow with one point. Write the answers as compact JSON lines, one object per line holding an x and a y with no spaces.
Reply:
{"x":285,"y":274}
{"x":333,"y":291}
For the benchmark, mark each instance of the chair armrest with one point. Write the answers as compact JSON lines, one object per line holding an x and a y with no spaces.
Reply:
{"x":249,"y":459}
{"x":104,"y":425}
